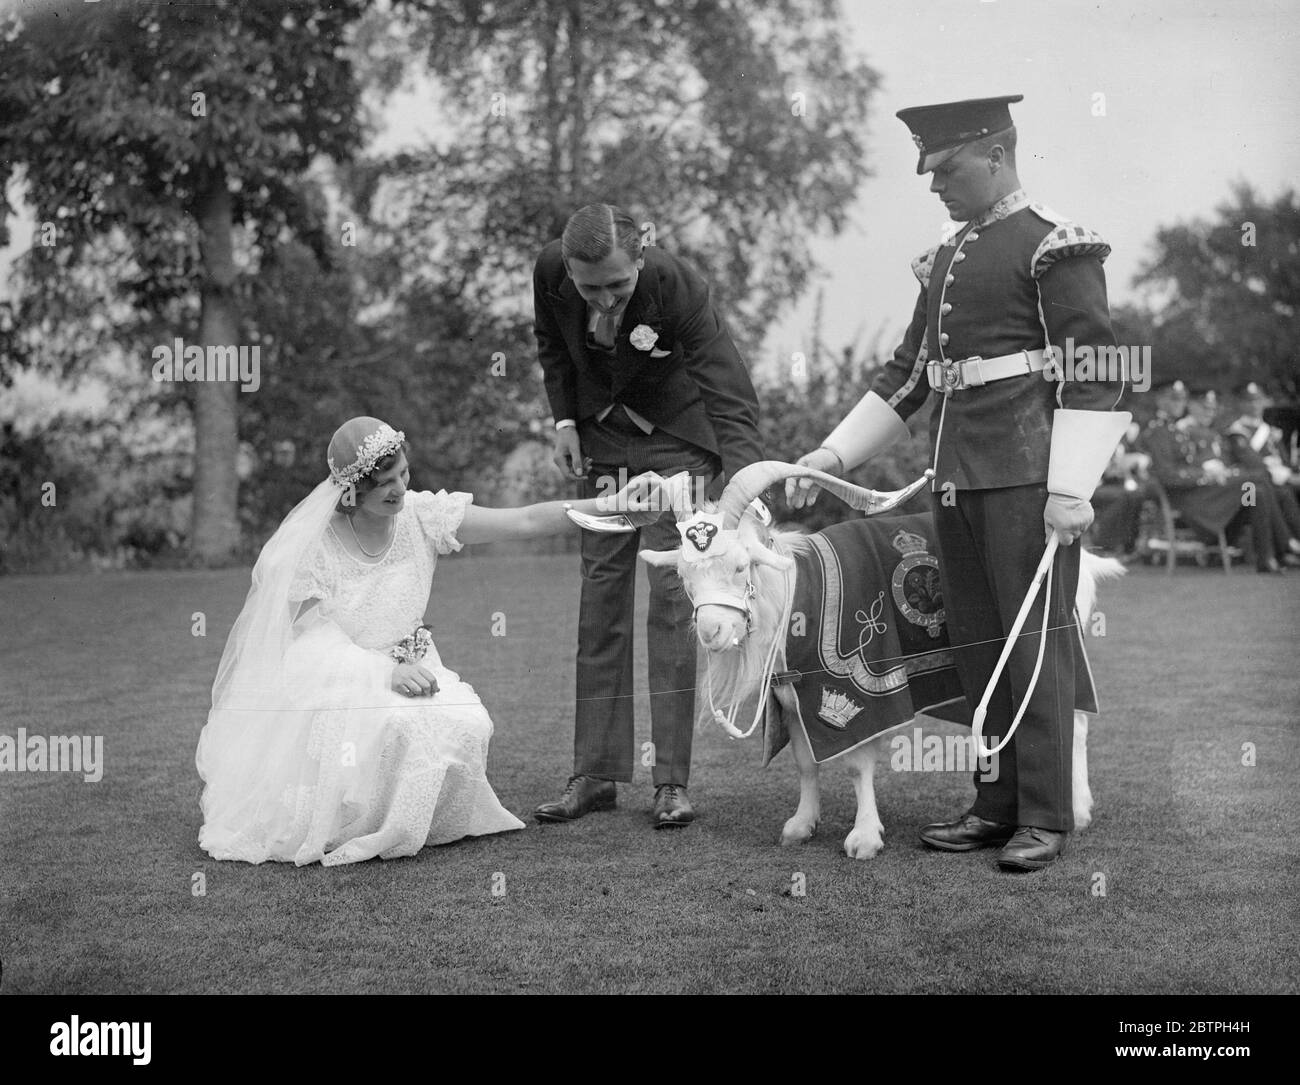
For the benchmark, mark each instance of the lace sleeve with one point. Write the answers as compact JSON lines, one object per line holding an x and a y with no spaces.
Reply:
{"x":314,"y":577}
{"x":439,"y":516}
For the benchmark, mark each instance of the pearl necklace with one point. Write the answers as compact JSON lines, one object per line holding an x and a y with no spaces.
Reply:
{"x":382,"y":550}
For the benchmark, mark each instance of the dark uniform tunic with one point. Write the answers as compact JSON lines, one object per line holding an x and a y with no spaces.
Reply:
{"x":1255,"y":444}
{"x":1017,"y":278}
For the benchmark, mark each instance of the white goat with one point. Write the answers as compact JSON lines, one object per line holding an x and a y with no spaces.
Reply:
{"x":734,"y":568}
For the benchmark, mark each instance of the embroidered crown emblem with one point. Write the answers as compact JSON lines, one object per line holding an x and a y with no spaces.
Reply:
{"x":373,"y":449}
{"x":837,"y":708}
{"x":908,"y":542}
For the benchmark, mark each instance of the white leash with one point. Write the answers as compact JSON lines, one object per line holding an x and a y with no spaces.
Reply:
{"x":1045,"y":569}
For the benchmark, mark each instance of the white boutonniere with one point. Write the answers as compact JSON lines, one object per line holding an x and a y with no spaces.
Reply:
{"x":644,"y":337}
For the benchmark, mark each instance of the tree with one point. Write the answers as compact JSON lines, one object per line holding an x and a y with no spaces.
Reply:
{"x":736,"y":129}
{"x":1221,"y":295}
{"x":184,"y":130}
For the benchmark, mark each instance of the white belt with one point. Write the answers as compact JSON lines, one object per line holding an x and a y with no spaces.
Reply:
{"x":972,"y":372}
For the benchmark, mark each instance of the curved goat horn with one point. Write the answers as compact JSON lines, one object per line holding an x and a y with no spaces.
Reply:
{"x":751,"y":481}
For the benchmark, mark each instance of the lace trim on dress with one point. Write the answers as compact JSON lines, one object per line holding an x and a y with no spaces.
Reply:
{"x":440,"y":517}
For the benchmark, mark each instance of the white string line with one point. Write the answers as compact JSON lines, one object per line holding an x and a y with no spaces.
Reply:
{"x":667,"y":692}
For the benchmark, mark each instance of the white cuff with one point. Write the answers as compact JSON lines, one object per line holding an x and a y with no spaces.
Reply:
{"x":565,"y":423}
{"x":871,"y":427}
{"x":1082,"y":444}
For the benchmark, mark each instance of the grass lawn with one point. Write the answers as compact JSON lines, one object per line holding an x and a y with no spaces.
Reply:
{"x":1196,"y":851}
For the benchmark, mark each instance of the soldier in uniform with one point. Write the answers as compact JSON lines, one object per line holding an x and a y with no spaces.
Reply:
{"x":1259,"y":444}
{"x":1010,"y":280}
{"x":1189,"y":459}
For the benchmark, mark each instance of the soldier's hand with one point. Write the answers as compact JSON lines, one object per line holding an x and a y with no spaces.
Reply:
{"x":803,"y":491}
{"x":1067,"y":517}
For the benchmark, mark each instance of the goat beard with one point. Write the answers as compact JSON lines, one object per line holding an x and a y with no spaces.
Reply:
{"x":738,"y":677}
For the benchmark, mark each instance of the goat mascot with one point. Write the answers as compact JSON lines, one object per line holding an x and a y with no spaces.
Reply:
{"x":837,"y":639}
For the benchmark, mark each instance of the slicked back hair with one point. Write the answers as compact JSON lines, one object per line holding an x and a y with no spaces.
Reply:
{"x":1006,"y":139}
{"x":595,"y":231}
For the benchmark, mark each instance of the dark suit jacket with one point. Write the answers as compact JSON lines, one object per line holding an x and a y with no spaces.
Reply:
{"x":692,"y":384}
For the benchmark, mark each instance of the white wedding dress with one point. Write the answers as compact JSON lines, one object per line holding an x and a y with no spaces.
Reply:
{"x":342,"y":768}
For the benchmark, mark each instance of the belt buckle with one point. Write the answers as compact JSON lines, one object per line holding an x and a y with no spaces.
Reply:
{"x":953,"y":375}
{"x":945,"y":376}
{"x":966,"y":381}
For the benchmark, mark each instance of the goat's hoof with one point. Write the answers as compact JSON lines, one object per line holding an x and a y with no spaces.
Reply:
{"x":797,"y":833}
{"x":861,"y":844}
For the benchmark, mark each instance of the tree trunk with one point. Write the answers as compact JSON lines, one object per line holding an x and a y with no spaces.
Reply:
{"x":578,"y":92}
{"x":214,"y":532}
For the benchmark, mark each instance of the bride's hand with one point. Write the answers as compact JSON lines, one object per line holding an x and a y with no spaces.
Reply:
{"x":641,"y":495}
{"x":412,"y":680}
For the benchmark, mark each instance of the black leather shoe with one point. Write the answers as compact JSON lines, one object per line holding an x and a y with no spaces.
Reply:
{"x":581,"y":795}
{"x":1032,"y":848}
{"x":967,"y":833}
{"x":672,"y":807}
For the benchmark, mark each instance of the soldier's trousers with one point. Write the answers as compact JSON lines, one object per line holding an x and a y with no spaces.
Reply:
{"x":990,"y":544}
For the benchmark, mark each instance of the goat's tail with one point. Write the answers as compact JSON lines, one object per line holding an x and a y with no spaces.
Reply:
{"x":1092,"y":571}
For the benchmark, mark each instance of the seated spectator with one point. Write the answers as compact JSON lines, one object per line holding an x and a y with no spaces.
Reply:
{"x":1256,"y":443}
{"x":1125,"y":488}
{"x":1219,"y":484}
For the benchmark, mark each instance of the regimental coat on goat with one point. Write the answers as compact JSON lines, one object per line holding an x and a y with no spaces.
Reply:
{"x":870,"y":649}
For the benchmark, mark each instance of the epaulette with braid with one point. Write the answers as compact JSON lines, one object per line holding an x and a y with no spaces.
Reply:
{"x":1066,"y":239}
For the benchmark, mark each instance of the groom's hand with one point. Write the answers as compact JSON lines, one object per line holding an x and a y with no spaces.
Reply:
{"x":568,"y":453}
{"x":640,"y":500}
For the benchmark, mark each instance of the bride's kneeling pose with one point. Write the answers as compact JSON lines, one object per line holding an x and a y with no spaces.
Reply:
{"x":336,"y":733}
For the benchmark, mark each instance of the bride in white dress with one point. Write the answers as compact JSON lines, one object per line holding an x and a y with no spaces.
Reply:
{"x":336,"y":733}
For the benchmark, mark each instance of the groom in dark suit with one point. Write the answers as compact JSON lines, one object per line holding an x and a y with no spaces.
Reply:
{"x":641,"y":375}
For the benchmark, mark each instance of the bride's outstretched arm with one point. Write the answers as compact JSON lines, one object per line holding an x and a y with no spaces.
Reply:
{"x":640,"y":495}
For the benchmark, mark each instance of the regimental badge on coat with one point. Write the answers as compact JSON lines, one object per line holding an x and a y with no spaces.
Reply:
{"x":915,"y":583}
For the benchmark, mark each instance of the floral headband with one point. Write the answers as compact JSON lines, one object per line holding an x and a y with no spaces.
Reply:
{"x":375,"y":447}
